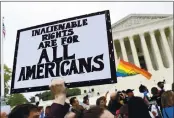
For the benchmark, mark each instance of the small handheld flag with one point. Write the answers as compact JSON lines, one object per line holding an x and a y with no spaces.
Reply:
{"x":127,"y":69}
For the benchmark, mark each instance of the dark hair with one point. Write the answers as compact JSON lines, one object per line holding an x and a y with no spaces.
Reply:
{"x":85,"y":99}
{"x":92,"y":89}
{"x":22,"y":111}
{"x":93,"y":112}
{"x":37,"y":103}
{"x":98,"y":93}
{"x":158,"y":83}
{"x":154,"y":91}
{"x":173,"y":87}
{"x":167,"y":99}
{"x":47,"y":110}
{"x":72,"y":100}
{"x":40,"y":108}
{"x":138,"y":108}
{"x":78,"y":111}
{"x":142,"y":88}
{"x":100,"y":99}
{"x":118,"y":97}
{"x":161,"y":82}
{"x":114,"y":104}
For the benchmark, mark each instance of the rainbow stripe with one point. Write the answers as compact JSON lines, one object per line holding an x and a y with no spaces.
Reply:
{"x":127,"y":69}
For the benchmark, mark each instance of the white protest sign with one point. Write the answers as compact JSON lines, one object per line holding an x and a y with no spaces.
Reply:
{"x":79,"y":49}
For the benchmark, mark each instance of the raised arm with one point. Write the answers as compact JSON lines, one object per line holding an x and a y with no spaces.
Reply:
{"x":106,"y":94}
{"x":59,"y":108}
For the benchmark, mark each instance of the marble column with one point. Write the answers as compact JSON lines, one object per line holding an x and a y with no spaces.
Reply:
{"x":171,"y":34}
{"x":146,"y":53}
{"x":166,"y":47}
{"x":123,"y":50}
{"x":157,"y":53}
{"x":134,"y":51}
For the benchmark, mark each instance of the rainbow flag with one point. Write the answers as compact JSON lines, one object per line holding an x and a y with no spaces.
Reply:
{"x":127,"y":69}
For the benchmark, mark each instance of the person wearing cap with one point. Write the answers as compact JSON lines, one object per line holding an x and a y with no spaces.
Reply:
{"x":130,"y":93}
{"x":143,"y":89}
{"x":161,"y":86}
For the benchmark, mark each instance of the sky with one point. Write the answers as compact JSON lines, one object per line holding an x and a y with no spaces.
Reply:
{"x":20,"y":15}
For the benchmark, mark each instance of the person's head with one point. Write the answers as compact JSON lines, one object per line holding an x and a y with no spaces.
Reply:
{"x":160,"y":85}
{"x":137,"y":108}
{"x":25,"y":111}
{"x":86,"y":100}
{"x":47,"y":110}
{"x":74,"y":101}
{"x":92,"y":90}
{"x":37,"y":103}
{"x":70,"y":115}
{"x":113,"y":96}
{"x":101,"y":102}
{"x":40,"y":109}
{"x":154,"y":91}
{"x":98,"y":93}
{"x":143,"y":89}
{"x":3,"y":115}
{"x":130,"y":93}
{"x":167,"y":99}
{"x":119,"y":98}
{"x":97,"y":112}
{"x":124,"y":92}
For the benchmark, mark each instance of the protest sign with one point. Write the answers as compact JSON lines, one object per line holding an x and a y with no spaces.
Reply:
{"x":79,"y":49}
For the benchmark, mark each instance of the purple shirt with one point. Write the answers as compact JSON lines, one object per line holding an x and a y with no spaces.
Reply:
{"x":58,"y":110}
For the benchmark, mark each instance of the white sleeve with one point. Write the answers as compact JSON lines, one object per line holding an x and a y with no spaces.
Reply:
{"x":154,"y":109}
{"x":151,"y":114}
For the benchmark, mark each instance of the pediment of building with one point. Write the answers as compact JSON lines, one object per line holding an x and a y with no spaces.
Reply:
{"x":137,"y":19}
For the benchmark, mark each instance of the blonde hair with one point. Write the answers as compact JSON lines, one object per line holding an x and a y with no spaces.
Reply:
{"x":167,"y":99}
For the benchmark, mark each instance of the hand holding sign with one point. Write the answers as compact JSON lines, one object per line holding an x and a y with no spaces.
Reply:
{"x":57,"y":87}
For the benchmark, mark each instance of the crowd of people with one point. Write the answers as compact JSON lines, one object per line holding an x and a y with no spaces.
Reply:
{"x":122,"y":104}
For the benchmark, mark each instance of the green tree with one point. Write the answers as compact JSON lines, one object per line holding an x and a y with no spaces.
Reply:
{"x":7,"y":78}
{"x":73,"y":92}
{"x":16,"y":99}
{"x":47,"y":95}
